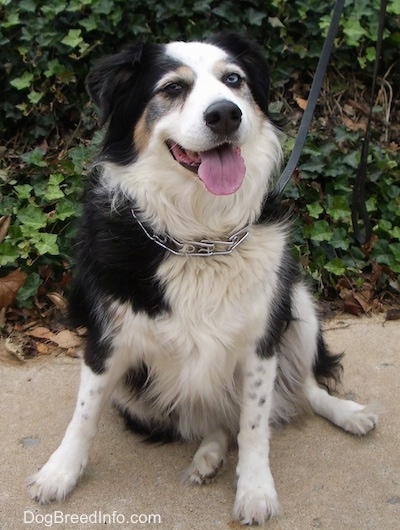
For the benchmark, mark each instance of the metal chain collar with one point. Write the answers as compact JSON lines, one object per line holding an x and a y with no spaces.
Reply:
{"x":205,"y":247}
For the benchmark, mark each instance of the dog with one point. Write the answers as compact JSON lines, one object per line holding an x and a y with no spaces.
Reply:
{"x":199,"y":325}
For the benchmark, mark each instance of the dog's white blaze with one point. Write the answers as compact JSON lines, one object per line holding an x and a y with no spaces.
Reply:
{"x":206,"y":62}
{"x":197,"y":55}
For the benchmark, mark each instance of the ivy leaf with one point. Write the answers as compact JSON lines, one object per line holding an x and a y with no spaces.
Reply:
{"x":370,"y":53}
{"x":27,"y":5}
{"x":353,"y":31}
{"x":395,"y":248}
{"x":23,"y":191}
{"x":314,"y":165}
{"x":28,"y":289}
{"x":321,"y":231}
{"x":339,"y":208}
{"x":35,"y":157}
{"x":34,"y":97}
{"x":394,"y":7}
{"x":256,"y":17}
{"x":54,"y":68}
{"x":275,"y":22}
{"x":32,"y":217}
{"x":340,"y":239}
{"x":47,"y":244}
{"x":9,"y":253}
{"x":315,"y":209}
{"x":73,"y":39}
{"x":12,"y":20}
{"x":53,"y":191}
{"x":336,"y":266}
{"x":352,"y":159}
{"x":382,"y":253}
{"x":66,"y":209}
{"x":24,"y":81}
{"x":90,"y":23}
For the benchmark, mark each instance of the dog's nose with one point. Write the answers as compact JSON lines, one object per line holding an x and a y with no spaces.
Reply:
{"x":223,"y":117}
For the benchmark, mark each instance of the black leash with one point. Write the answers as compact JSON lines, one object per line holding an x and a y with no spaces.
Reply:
{"x":358,"y":205}
{"x":312,"y":99}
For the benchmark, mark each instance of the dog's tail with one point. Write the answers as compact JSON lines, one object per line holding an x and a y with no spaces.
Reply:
{"x":328,"y":368}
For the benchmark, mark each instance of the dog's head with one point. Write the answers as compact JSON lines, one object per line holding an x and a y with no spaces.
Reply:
{"x":197,"y":105}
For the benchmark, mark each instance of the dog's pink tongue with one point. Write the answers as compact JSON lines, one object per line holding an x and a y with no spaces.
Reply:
{"x":222,"y":170}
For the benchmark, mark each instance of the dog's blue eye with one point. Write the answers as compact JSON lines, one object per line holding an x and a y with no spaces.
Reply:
{"x":233,"y":80}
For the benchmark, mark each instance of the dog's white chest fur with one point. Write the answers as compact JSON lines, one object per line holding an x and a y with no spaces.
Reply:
{"x":218,"y":310}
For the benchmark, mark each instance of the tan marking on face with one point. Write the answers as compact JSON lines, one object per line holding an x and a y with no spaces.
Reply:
{"x":181,"y":74}
{"x":141,"y":135}
{"x":220,"y":68}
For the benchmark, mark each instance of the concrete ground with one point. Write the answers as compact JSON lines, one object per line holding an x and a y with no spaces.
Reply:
{"x":325,"y":478}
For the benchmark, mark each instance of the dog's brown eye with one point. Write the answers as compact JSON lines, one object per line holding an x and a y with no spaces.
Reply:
{"x":234,"y":80}
{"x":174,"y":89}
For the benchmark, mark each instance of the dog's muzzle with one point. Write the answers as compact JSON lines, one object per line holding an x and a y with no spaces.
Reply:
{"x":221,"y":169}
{"x":223,"y":118}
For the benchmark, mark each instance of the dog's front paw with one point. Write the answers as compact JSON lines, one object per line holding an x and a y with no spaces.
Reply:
{"x":55,"y":480}
{"x":203,"y":468}
{"x":256,"y":502}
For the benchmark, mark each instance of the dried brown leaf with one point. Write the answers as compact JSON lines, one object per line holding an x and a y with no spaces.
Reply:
{"x":58,"y":300}
{"x":354,"y":125}
{"x":393,"y":147}
{"x":364,"y":303}
{"x":393,"y":314}
{"x":9,"y":287}
{"x":351,"y":306}
{"x":42,"y":348}
{"x":360,"y":105}
{"x":67,"y":339}
{"x":42,"y":333}
{"x":301,"y":102}
{"x":345,"y":293}
{"x":5,"y":221}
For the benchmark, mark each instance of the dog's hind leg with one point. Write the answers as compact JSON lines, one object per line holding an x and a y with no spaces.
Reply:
{"x":347,"y":414}
{"x":319,"y":364}
{"x":59,"y":475}
{"x":208,"y":459}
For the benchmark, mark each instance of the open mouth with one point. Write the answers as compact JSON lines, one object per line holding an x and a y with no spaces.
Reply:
{"x":188,"y":159}
{"x":221,"y":169}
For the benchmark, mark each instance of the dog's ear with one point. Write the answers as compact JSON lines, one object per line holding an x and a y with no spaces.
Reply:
{"x":110,"y":75}
{"x":252,"y":59}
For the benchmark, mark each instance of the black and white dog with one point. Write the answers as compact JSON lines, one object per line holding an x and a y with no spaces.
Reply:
{"x":199,"y":325}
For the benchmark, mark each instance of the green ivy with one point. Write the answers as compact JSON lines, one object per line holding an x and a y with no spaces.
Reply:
{"x":323,"y":196}
{"x":47,"y":124}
